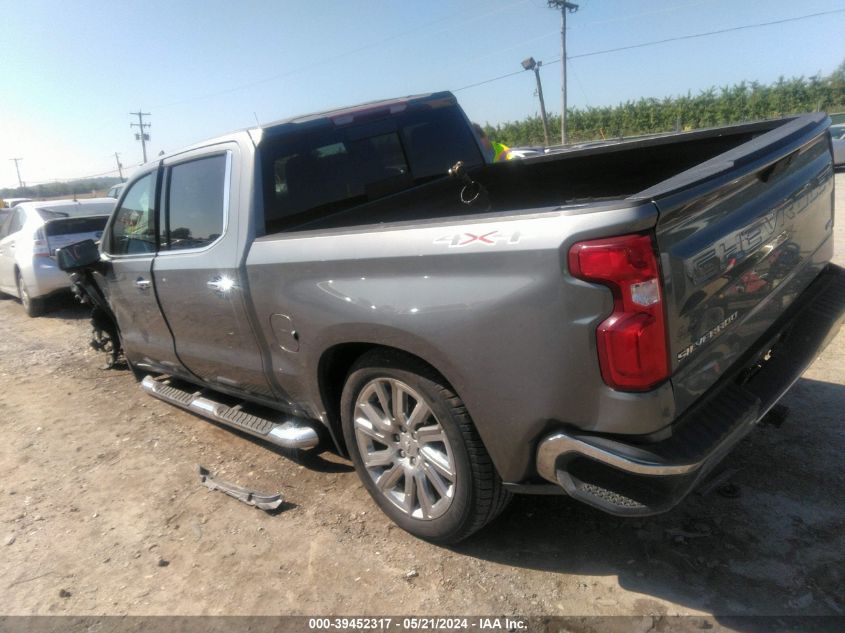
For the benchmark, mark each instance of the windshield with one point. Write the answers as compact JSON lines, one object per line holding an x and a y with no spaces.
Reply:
{"x":76,"y":211}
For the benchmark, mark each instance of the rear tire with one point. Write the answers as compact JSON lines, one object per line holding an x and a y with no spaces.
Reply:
{"x":34,"y":306}
{"x":423,"y":464}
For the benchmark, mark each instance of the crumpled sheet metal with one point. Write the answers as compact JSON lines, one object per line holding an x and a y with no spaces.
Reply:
{"x":261,"y":500}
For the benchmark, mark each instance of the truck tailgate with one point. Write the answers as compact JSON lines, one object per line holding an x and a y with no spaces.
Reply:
{"x":740,"y":237}
{"x":63,"y":231}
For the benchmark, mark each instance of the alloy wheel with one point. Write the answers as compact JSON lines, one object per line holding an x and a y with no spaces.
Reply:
{"x":404,"y":448}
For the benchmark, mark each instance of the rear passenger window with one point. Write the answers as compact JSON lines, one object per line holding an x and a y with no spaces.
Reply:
{"x":195,"y":203}
{"x":133,"y":230}
{"x":312,"y":175}
{"x":330,"y":176}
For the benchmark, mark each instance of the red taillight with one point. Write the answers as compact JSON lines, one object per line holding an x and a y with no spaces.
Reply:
{"x":632,"y":340}
{"x":40,"y":248}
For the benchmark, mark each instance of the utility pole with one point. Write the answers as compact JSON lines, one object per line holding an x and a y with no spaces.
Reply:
{"x":119,"y":166}
{"x":565,"y":7}
{"x":530,"y":64}
{"x":18,"y":169}
{"x":141,"y":135}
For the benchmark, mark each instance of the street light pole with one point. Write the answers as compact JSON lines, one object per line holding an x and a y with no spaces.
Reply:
{"x":119,"y":166}
{"x":530,"y":64}
{"x":542,"y":103}
{"x":18,"y":169}
{"x":565,"y":7}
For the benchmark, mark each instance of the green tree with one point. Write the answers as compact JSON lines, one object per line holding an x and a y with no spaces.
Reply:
{"x":745,"y":101}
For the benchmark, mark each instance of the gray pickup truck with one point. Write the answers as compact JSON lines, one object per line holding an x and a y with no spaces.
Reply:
{"x":605,"y":323}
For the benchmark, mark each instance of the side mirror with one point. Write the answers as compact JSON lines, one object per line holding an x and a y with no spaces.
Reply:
{"x":77,"y":256}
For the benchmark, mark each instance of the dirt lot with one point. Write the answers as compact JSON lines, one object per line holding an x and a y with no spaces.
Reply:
{"x":102,"y":513}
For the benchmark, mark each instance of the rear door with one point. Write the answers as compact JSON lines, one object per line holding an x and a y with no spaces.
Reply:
{"x":197,"y":271}
{"x":126,"y":279}
{"x":740,"y":237}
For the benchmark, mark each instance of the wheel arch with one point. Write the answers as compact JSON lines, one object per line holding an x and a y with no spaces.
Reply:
{"x":333,"y":369}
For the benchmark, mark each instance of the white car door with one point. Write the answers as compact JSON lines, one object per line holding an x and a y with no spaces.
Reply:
{"x":8,"y":235}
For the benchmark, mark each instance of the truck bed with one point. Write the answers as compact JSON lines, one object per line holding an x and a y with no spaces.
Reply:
{"x":616,"y":170}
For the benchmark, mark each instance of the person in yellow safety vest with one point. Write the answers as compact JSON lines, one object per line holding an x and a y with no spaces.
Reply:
{"x":494,"y":151}
{"x":503,"y":152}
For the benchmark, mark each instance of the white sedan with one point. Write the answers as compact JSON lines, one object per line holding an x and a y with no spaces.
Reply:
{"x":29,"y":237}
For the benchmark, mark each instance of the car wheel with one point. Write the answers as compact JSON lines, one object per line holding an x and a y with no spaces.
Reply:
{"x":416,"y":449}
{"x":34,"y":306}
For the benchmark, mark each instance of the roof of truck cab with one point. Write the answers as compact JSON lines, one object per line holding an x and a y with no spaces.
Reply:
{"x":370,"y":105}
{"x":303,"y":119}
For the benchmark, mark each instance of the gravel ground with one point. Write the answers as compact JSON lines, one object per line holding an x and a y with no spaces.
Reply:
{"x":101,"y":512}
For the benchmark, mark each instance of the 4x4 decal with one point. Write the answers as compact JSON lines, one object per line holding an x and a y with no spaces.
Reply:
{"x":491,"y":238}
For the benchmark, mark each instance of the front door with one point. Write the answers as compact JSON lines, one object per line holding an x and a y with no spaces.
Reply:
{"x":127,"y":281}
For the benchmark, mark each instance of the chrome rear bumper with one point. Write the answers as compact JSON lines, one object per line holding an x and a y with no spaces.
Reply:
{"x":632,"y":476}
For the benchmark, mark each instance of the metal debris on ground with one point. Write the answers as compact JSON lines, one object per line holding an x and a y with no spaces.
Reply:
{"x":261,"y":500}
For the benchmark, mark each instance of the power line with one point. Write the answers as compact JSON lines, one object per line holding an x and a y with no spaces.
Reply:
{"x":74,"y":178}
{"x":580,"y":85}
{"x":663,"y":41}
{"x":708,"y":33}
{"x":345,"y":54}
{"x":44,"y":182}
{"x":521,"y":44}
{"x":628,"y":18}
{"x":487,"y":81}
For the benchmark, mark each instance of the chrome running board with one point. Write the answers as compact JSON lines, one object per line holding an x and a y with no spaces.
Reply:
{"x":292,"y":433}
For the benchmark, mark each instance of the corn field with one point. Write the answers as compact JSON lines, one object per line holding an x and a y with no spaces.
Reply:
{"x":746,"y":101}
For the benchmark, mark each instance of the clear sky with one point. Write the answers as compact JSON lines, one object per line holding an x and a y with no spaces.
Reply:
{"x":70,"y":72}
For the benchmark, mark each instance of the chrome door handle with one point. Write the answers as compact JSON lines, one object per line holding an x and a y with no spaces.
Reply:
{"x":142,"y":284}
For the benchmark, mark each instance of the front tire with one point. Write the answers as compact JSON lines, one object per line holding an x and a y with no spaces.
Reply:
{"x":416,"y":449}
{"x":34,"y":306}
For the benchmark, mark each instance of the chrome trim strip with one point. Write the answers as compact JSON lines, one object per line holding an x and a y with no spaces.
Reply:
{"x":557,"y":444}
